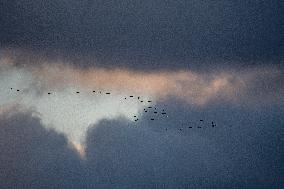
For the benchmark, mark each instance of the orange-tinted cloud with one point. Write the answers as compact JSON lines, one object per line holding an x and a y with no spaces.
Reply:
{"x":192,"y":87}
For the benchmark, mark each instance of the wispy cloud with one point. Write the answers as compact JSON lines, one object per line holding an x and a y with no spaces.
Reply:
{"x":195,"y":88}
{"x":72,"y":114}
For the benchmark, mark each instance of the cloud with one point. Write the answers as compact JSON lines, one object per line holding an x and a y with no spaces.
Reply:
{"x":34,"y":157}
{"x":216,"y":61}
{"x":148,"y":159}
{"x":72,"y":113}
{"x":211,"y":158}
{"x":194,"y":87}
{"x":120,"y":155}
{"x":146,"y":35}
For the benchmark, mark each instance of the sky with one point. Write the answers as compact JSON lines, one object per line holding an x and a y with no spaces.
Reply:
{"x":81,"y":81}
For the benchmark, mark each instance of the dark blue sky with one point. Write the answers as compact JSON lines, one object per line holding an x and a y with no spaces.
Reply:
{"x":147,"y":34}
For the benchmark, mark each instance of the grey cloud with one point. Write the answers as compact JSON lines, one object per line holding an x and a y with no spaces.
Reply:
{"x":243,"y":151}
{"x":146,"y":34}
{"x":33,"y":157}
{"x":129,"y":157}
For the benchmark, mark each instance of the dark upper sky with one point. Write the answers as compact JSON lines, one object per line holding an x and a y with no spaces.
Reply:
{"x":147,"y":34}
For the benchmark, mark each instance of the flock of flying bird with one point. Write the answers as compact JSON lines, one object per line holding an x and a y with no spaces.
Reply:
{"x":148,"y":108}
